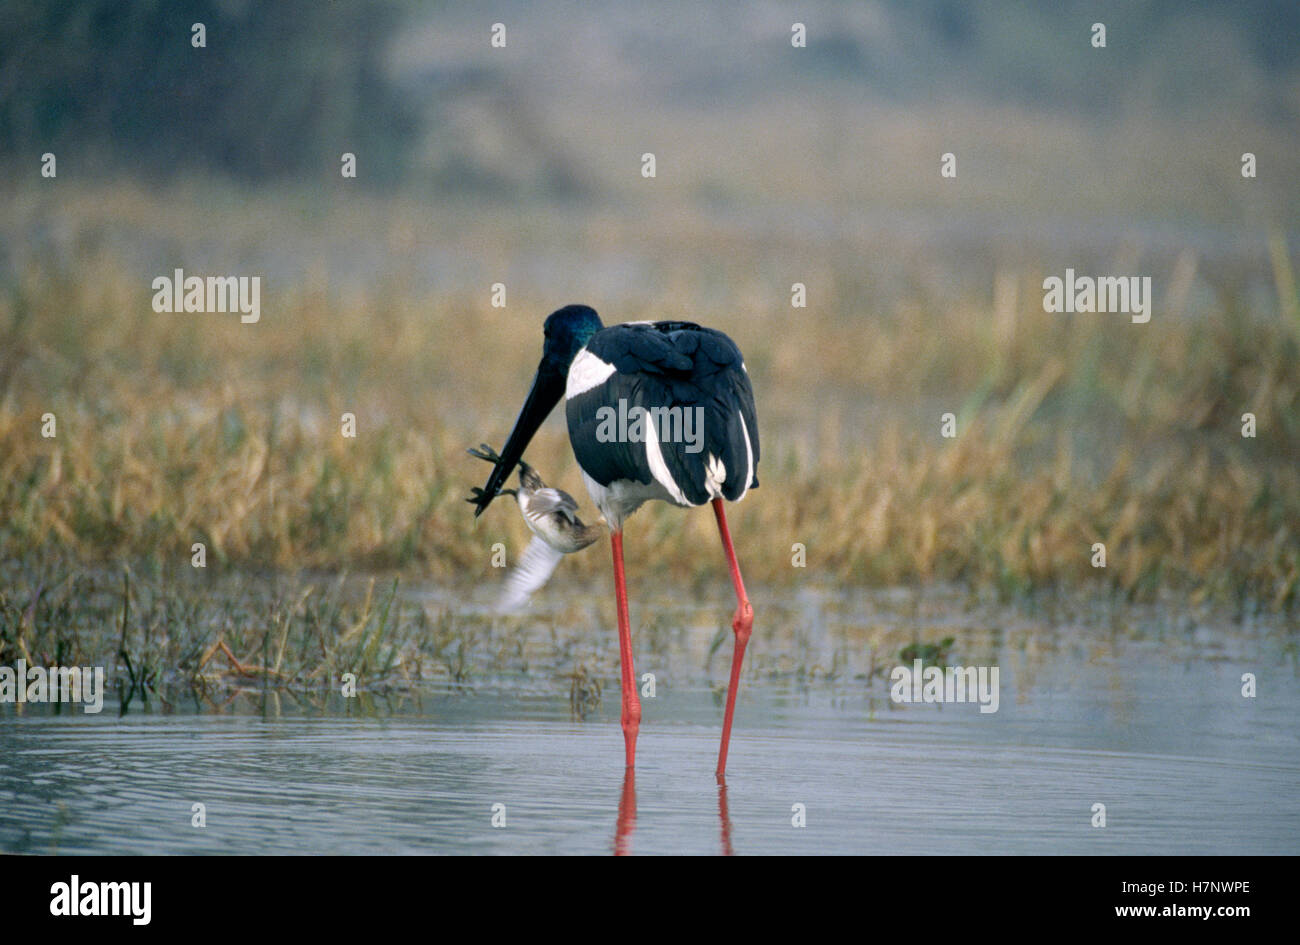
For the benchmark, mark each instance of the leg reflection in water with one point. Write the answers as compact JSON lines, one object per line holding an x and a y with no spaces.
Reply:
{"x":626,"y":814}
{"x":626,"y":825}
{"x":724,"y":818}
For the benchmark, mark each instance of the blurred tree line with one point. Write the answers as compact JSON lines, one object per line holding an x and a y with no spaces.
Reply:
{"x":282,"y":87}
{"x":1164,"y":56}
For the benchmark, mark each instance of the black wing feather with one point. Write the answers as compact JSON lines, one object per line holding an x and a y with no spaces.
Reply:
{"x":670,"y":364}
{"x":606,"y":462}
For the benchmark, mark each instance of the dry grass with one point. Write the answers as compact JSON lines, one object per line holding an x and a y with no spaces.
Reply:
{"x":174,"y":429}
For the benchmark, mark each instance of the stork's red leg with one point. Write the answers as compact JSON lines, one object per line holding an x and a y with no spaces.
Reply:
{"x":631,"y":702}
{"x":741,"y":624}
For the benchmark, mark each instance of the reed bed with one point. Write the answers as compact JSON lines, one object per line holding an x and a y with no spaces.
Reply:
{"x":174,"y":429}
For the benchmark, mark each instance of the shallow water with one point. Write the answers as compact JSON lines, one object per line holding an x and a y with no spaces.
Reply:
{"x":1183,"y":763}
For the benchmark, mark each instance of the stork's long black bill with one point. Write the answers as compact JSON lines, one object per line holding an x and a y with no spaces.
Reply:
{"x":548,"y":388}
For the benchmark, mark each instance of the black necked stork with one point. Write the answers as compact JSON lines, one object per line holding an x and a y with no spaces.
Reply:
{"x":693,"y":441}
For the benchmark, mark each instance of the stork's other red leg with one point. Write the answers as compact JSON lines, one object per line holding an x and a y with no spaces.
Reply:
{"x":631,"y":702}
{"x":741,"y":624}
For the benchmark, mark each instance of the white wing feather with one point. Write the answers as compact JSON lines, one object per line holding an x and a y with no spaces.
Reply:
{"x":535,"y":568}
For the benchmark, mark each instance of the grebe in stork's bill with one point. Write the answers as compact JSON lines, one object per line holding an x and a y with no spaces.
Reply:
{"x":552,"y":516}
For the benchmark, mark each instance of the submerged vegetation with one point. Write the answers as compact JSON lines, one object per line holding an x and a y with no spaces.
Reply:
{"x":185,"y":642}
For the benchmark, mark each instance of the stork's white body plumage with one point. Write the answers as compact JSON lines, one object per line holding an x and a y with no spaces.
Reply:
{"x":622,"y":497}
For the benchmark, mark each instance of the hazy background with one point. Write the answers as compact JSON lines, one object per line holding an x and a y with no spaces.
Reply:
{"x":839,"y":137}
{"x":775,"y":165}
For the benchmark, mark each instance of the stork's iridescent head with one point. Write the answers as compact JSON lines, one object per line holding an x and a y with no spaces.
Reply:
{"x":566,"y":331}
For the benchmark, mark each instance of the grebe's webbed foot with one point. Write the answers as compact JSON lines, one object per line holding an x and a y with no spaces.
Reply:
{"x":485,"y":452}
{"x":476,"y":494}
